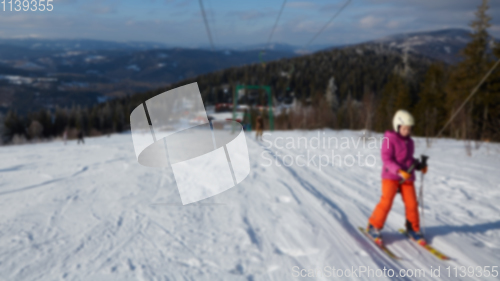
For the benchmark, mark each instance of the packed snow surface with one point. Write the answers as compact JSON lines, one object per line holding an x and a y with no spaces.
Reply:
{"x":91,"y":212}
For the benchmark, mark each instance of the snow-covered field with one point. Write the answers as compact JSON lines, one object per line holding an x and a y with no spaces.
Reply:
{"x":92,"y":212}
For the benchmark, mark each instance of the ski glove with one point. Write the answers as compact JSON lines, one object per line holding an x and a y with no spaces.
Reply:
{"x":405,"y":175}
{"x":421,"y":167}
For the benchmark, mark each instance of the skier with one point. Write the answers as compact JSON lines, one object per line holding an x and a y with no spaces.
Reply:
{"x":398,"y":176}
{"x":65,"y":135}
{"x":80,"y":138}
{"x":259,"y":127}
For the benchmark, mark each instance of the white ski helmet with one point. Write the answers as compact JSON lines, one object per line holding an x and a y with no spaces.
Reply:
{"x":402,"y":118}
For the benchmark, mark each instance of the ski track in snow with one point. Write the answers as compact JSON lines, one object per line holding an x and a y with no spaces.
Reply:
{"x":91,"y":212}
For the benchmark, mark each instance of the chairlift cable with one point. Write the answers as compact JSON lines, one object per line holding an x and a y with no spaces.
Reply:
{"x":275,"y":24}
{"x":206,"y":24}
{"x":328,"y":23}
{"x":211,"y":20}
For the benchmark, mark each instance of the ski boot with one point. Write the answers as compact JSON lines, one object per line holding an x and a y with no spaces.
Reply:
{"x":415,"y":235}
{"x":374,"y":234}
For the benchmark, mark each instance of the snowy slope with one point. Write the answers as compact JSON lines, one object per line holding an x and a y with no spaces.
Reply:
{"x":93,"y":213}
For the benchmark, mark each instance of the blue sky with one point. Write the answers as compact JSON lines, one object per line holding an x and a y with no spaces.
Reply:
{"x":179,"y":22}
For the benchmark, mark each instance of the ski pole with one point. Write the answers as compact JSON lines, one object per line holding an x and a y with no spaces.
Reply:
{"x":421,"y":202}
{"x":423,"y":161}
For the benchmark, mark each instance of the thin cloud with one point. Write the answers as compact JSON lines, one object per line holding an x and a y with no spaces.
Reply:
{"x":300,"y":5}
{"x":370,"y":22}
{"x":393,"y":24}
{"x":252,"y":15}
{"x":100,"y":7}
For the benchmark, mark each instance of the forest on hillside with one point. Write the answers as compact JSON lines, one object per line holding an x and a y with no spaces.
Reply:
{"x":358,"y":87}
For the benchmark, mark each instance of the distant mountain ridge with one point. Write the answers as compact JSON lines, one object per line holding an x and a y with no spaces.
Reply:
{"x":44,"y":73}
{"x":443,"y":45}
{"x":80,"y":44}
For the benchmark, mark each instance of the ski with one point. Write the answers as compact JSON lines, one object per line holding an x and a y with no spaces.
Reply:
{"x":428,"y":247}
{"x":382,"y":247}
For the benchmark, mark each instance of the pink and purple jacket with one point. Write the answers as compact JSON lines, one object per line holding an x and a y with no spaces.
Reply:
{"x":397,"y":154}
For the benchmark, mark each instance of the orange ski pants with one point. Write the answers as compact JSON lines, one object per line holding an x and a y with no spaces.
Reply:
{"x":389,"y":190}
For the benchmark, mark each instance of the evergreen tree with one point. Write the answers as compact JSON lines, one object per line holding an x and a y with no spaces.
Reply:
{"x":14,"y":125}
{"x":430,"y":110}
{"x":60,"y":121}
{"x":466,"y":75}
{"x":2,"y":129}
{"x":395,"y":95}
{"x":492,"y":110}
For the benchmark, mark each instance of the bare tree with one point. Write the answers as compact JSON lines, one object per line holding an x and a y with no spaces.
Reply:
{"x":35,"y":129}
{"x":2,"y":128}
{"x":430,"y":124}
{"x":369,"y":107}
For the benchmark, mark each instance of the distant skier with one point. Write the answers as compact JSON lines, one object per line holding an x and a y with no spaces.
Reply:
{"x":398,"y":166}
{"x":65,"y":136}
{"x":259,"y":127}
{"x":80,"y":138}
